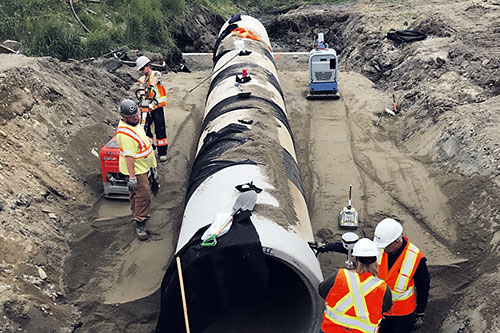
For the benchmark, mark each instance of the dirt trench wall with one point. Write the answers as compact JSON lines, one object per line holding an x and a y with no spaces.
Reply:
{"x":52,"y":115}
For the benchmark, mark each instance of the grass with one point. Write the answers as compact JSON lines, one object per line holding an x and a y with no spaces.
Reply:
{"x":48,"y":28}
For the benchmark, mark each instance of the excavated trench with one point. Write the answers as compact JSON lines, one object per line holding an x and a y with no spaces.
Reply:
{"x":393,"y":69}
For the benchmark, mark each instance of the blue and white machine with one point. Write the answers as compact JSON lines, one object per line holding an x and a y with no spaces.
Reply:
{"x":323,"y":71}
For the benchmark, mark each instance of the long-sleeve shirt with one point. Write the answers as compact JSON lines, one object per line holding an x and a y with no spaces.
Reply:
{"x":421,"y":278}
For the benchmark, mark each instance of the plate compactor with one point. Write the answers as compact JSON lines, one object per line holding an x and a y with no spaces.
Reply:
{"x":115,"y":183}
{"x":323,"y":72}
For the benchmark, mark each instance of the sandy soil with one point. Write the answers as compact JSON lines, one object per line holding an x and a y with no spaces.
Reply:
{"x":337,"y":143}
{"x":70,"y":261}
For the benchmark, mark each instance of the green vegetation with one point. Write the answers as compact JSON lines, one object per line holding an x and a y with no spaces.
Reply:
{"x":48,"y":27}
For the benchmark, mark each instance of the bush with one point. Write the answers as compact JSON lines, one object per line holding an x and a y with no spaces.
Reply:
{"x":99,"y":42}
{"x":53,"y":38}
{"x":134,"y":33}
{"x":174,"y":8}
{"x":146,"y":24}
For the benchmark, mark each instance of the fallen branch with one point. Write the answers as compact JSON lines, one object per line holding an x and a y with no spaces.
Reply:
{"x":76,"y":16}
{"x":130,"y":63}
{"x":110,"y":53}
{"x":5,"y":49}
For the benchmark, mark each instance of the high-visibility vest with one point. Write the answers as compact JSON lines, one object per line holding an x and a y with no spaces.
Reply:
{"x":400,"y":279}
{"x":145,"y":148}
{"x":160,"y":94}
{"x":354,"y":304}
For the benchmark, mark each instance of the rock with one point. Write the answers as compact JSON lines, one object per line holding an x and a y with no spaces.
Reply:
{"x":45,"y":308}
{"x":111,"y":64}
{"x":42,"y":274}
{"x":53,"y":216}
{"x":3,"y":134}
{"x":440,"y":61}
{"x":22,"y":201}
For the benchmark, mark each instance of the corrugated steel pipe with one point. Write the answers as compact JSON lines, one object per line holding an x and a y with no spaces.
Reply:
{"x":246,"y":138}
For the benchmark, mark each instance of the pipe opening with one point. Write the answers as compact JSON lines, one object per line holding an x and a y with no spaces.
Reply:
{"x":286,"y":305}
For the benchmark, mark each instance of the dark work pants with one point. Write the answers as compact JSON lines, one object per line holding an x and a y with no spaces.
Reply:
{"x":140,"y":200}
{"x":158,"y":118}
{"x":396,"y":324}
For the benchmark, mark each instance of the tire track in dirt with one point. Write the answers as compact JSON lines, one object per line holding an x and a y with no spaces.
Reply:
{"x":325,"y":160}
{"x":345,"y":148}
{"x":364,"y":210}
{"x":368,"y":174}
{"x":401,"y":186}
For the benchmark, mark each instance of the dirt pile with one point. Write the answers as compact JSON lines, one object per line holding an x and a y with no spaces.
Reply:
{"x":54,"y":117}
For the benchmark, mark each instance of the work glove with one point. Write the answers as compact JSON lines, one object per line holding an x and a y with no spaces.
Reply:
{"x":154,"y":181}
{"x":317,"y":247}
{"x":418,"y":321}
{"x":154,"y":172}
{"x":321,"y":248}
{"x":132,"y":184}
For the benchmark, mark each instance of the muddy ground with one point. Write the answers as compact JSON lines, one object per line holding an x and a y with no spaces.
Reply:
{"x":70,"y":262}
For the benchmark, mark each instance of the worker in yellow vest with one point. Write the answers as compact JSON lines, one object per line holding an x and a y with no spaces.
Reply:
{"x":136,"y":159}
{"x":151,"y":83}
{"x":403,"y":267}
{"x":358,"y":298}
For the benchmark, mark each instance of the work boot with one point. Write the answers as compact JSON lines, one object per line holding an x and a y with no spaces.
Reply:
{"x":140,"y":230}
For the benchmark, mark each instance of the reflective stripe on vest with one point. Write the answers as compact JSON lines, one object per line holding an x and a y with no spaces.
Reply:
{"x":406,"y":269}
{"x":160,"y":92}
{"x":401,"y":296}
{"x":400,"y":279}
{"x":355,"y":298}
{"x":144,"y":148}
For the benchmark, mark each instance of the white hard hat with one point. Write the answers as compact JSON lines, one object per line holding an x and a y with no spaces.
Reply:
{"x":365,"y":248}
{"x":387,"y":231}
{"x":141,"y":62}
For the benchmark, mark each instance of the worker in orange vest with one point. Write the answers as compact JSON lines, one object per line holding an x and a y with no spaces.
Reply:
{"x":403,"y":267}
{"x":358,"y":298}
{"x":151,"y":83}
